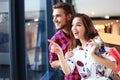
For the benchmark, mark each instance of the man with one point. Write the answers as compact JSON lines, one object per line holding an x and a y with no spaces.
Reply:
{"x":62,"y":17}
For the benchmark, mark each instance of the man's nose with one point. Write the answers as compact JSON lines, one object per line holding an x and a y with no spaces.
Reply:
{"x":54,"y":19}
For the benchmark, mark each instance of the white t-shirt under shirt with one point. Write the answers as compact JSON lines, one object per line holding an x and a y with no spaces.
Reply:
{"x":87,"y":67}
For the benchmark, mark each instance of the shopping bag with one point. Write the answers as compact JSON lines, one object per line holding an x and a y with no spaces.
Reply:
{"x":114,"y":40}
{"x":114,"y":52}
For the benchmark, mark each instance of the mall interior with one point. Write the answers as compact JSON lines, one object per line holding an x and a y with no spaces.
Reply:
{"x":26,"y":26}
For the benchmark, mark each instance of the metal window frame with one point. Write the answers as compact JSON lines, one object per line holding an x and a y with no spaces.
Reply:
{"x":17,"y":40}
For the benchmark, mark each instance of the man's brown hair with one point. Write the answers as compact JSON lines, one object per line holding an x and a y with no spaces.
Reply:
{"x":65,"y":6}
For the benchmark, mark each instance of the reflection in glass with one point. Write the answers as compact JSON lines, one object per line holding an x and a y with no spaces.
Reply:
{"x":4,"y":42}
{"x":35,"y":36}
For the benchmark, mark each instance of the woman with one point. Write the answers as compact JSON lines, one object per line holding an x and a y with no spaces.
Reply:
{"x":90,"y":54}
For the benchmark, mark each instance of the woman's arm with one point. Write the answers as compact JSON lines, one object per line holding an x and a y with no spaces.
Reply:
{"x":64,"y":65}
{"x":101,"y":60}
{"x":104,"y":61}
{"x":55,"y":48}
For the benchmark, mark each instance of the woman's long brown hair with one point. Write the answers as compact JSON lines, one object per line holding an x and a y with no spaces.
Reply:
{"x":90,"y":31}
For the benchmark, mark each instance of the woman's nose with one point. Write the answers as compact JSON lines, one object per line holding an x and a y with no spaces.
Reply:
{"x":73,"y":27}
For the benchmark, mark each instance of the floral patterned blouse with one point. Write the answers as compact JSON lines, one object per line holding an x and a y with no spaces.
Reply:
{"x":88,"y":68}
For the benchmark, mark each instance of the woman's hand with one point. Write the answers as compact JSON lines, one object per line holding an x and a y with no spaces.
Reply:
{"x":68,"y":55}
{"x":94,"y":45}
{"x":55,"y":48}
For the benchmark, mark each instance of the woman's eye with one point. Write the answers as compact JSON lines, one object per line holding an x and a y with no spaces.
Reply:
{"x":78,"y":25}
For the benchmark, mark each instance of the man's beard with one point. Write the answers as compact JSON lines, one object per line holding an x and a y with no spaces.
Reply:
{"x":62,"y":27}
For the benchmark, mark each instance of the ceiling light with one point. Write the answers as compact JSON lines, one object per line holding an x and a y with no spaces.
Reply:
{"x":92,"y":13}
{"x":36,"y":19}
{"x":107,"y":17}
{"x":117,"y":20}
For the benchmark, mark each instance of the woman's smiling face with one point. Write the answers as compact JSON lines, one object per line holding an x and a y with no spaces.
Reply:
{"x":78,"y":28}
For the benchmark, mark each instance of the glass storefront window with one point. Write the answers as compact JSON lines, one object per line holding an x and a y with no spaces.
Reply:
{"x":4,"y":41}
{"x":36,"y":38}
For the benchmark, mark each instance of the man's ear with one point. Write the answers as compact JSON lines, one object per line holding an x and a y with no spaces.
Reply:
{"x":69,"y":16}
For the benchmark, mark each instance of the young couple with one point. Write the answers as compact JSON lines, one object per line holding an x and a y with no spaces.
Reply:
{"x":77,"y":48}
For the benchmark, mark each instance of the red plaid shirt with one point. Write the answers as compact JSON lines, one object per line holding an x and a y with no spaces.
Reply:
{"x":63,"y":40}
